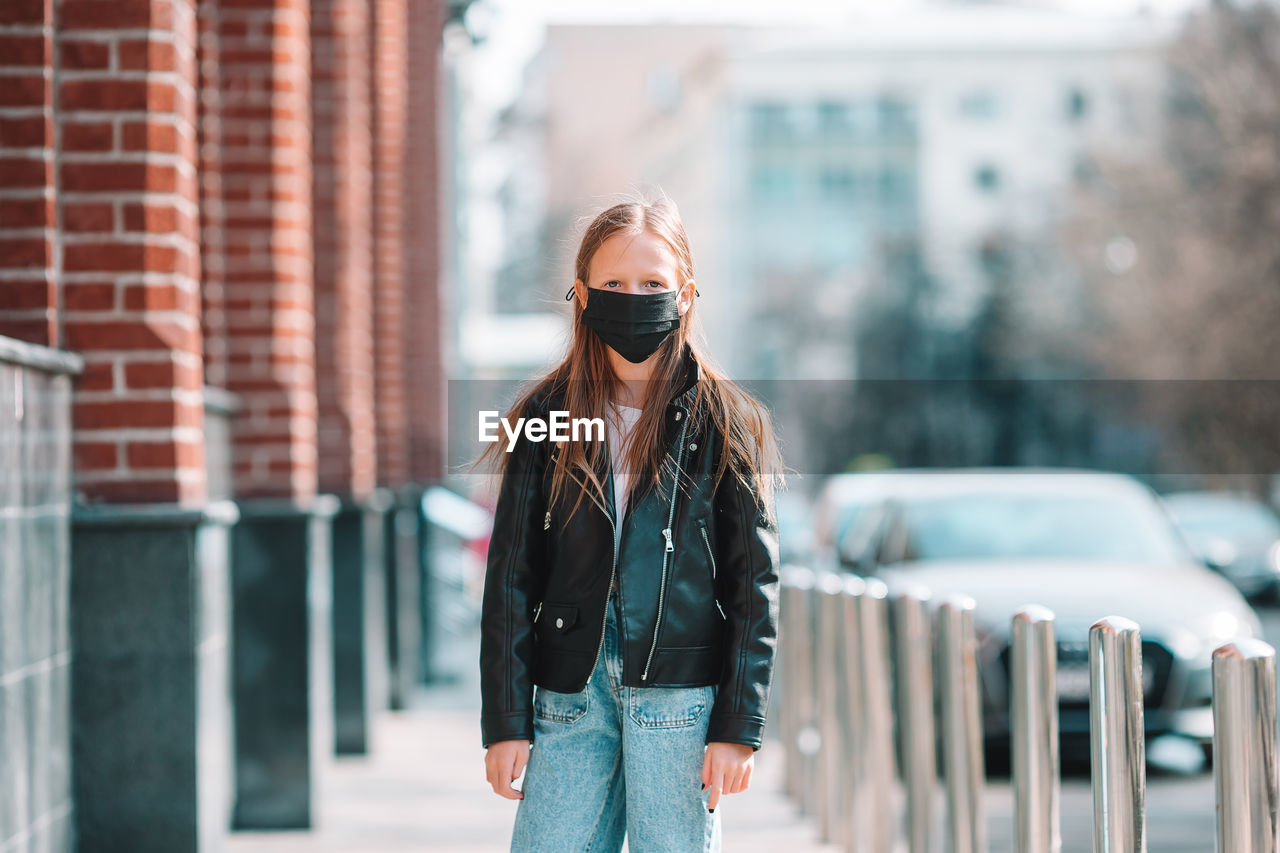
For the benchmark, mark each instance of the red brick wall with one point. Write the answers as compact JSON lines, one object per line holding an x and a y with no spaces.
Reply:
{"x":342,"y":140}
{"x":28,"y":235}
{"x":266,"y":186}
{"x":126,"y":112}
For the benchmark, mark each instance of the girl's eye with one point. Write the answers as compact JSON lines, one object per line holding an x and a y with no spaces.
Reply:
{"x":611,"y":284}
{"x":657,"y":284}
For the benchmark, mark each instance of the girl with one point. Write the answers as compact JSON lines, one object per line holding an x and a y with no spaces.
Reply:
{"x":629,"y":615}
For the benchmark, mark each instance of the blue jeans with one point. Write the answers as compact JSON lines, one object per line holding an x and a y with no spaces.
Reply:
{"x":613,"y":760}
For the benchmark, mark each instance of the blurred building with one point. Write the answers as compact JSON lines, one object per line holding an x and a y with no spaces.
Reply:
{"x":814,"y":168}
{"x":221,"y":396}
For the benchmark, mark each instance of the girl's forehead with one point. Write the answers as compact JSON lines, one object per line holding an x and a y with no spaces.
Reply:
{"x":628,"y":252}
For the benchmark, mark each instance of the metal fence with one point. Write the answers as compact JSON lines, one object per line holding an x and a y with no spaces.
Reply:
{"x":858,"y":666}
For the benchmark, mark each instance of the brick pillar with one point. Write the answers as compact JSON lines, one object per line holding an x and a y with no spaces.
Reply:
{"x":343,"y":246}
{"x":266,"y":186}
{"x":213,"y":244}
{"x":28,"y":235}
{"x":148,"y":570}
{"x":425,"y":314}
{"x":281,"y":548}
{"x":126,"y":113}
{"x":341,"y":117}
{"x":389,"y":96}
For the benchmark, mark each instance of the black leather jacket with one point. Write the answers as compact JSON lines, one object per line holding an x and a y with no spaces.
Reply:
{"x":697,"y":584}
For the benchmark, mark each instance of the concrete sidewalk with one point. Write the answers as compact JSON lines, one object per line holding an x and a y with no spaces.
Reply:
{"x":423,"y":788}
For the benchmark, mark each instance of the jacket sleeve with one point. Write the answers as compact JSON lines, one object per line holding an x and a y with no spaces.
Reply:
{"x":514,"y":577}
{"x":747,"y":541}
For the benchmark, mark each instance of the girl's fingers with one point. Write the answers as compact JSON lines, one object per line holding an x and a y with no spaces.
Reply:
{"x":746,"y":778}
{"x":717,"y":787}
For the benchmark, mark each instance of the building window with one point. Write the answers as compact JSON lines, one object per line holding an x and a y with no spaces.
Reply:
{"x":773,"y":182}
{"x":769,"y":121}
{"x":897,"y":185}
{"x":834,"y":118}
{"x":979,"y":104}
{"x":1077,"y":104}
{"x":986,"y":178}
{"x":894,"y":116}
{"x":837,"y":183}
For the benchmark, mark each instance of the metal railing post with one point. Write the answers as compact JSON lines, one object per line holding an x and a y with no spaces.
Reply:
{"x":1033,"y":666}
{"x":831,"y":676}
{"x":1116,"y":746}
{"x":794,"y":638}
{"x":961,"y":725}
{"x":874,"y":757}
{"x":913,"y":656}
{"x":854,"y":728}
{"x":803,"y":690}
{"x":1244,"y":746}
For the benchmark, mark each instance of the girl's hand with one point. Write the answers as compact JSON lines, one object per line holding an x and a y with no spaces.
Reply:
{"x":726,"y":768}
{"x":504,"y":761}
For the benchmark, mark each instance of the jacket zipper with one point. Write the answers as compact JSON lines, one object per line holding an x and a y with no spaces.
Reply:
{"x":667,"y":549}
{"x":537,"y":611}
{"x":613,"y":528}
{"x":702,"y":528}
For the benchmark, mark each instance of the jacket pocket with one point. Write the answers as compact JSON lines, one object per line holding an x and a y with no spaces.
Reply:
{"x":556,"y":619}
{"x":711,"y":559}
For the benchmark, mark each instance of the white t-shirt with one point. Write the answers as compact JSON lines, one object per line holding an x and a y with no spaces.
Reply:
{"x":619,"y":427}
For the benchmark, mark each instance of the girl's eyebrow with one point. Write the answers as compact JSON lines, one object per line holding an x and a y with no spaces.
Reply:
{"x":647,"y":277}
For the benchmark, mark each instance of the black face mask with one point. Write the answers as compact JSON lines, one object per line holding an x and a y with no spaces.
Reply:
{"x":634,"y":325}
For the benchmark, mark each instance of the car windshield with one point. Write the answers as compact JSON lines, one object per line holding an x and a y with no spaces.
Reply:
{"x":1008,"y":525}
{"x":1237,"y":521}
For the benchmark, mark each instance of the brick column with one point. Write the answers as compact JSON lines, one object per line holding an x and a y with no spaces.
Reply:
{"x":130,"y":247}
{"x":148,"y":568}
{"x":266,"y":185}
{"x":341,"y":117}
{"x":281,"y":550}
{"x":213,"y":254}
{"x":28,"y":235}
{"x":426,"y":310}
{"x":389,"y":95}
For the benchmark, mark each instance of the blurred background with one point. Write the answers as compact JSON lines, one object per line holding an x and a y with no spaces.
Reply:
{"x":262,"y":260}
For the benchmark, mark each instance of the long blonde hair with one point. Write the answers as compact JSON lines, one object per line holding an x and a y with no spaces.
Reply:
{"x":587,"y":380}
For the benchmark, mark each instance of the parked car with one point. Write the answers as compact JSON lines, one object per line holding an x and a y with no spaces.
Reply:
{"x":1234,"y":534}
{"x":1086,"y":544}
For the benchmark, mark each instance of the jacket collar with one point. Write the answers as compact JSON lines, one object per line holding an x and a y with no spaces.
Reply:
{"x":691,"y":372}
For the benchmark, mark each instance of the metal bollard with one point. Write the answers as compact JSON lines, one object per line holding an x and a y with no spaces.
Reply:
{"x":961,"y":725}
{"x":854,"y":718}
{"x":828,"y":666}
{"x":1116,"y":746}
{"x":1244,"y":746}
{"x":913,"y":658}
{"x":874,"y":810}
{"x":803,"y":746}
{"x":793,"y":626}
{"x":1033,"y":666}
